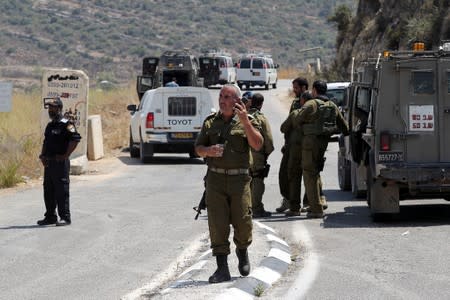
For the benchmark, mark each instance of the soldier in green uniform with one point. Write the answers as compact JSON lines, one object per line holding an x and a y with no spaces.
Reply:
{"x":317,"y":126}
{"x":225,"y":141}
{"x":299,"y":86}
{"x":294,"y":167}
{"x":259,"y":168}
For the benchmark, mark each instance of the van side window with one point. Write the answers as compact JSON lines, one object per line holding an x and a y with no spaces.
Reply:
{"x":423,"y":82}
{"x":363,"y":99}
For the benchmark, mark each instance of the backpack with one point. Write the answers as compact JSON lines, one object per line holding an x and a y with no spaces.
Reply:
{"x":325,"y":124}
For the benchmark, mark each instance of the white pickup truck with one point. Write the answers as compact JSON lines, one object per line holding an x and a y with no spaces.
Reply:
{"x":168,"y":119}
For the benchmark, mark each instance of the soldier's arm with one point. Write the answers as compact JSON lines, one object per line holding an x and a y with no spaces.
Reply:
{"x":268,"y":139}
{"x":203,"y":147}
{"x":286,"y":126}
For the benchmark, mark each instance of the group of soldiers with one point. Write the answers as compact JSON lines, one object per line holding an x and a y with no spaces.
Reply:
{"x":236,"y":143}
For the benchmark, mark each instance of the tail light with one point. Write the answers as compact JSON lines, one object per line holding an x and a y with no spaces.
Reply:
{"x":385,"y":141}
{"x":264,"y":66}
{"x":150,"y":120}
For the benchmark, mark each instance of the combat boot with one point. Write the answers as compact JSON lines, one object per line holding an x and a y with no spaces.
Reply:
{"x":244,"y":263}
{"x":47,"y":221}
{"x":284,"y":206}
{"x":222,"y":273}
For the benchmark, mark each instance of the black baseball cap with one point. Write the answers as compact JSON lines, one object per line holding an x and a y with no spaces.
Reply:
{"x":56,"y":101}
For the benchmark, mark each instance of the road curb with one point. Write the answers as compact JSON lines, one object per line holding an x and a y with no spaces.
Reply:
{"x":266,"y":274}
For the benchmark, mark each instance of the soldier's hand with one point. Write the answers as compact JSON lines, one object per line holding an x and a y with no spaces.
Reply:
{"x":241,"y":111}
{"x":216,"y":150}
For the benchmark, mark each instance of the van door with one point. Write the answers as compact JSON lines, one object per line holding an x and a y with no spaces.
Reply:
{"x":259,"y":70}
{"x":183,"y":114}
{"x":209,"y":70}
{"x":419,"y":104}
{"x":243,"y":71}
{"x":444,"y":107}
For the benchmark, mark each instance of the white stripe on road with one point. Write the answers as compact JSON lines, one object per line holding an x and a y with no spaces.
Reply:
{"x":308,"y":273}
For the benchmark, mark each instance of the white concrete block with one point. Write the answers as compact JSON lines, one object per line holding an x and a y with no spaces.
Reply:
{"x":95,"y":138}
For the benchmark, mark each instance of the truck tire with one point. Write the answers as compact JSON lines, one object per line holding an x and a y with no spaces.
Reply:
{"x":274,"y":85}
{"x":134,"y":151}
{"x":146,"y":152}
{"x":344,"y":173}
{"x":266,"y":86}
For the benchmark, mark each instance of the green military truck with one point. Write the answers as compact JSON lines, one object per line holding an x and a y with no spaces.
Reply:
{"x":399,"y":116}
{"x":157,"y":71}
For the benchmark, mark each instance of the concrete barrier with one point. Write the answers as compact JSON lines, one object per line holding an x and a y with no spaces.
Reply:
{"x":95,"y":138}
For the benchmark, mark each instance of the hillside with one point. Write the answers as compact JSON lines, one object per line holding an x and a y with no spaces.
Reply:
{"x":388,"y":25}
{"x":108,"y":38}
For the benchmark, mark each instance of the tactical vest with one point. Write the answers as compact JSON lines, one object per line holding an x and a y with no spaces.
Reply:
{"x":325,"y":123}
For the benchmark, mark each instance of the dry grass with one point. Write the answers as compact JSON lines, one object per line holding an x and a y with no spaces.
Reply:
{"x":21,"y":136}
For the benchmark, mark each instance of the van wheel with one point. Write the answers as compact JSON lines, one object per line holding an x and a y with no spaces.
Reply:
{"x":274,"y":85}
{"x":134,"y":151}
{"x":266,"y":86}
{"x":146,"y":152}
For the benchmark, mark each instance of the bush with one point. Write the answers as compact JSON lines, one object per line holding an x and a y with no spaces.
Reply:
{"x":9,"y":176}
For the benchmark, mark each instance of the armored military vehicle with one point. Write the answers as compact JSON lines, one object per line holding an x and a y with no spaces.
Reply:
{"x":157,"y":71}
{"x":399,"y":116}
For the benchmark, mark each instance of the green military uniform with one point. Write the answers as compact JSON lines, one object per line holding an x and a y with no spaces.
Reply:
{"x":257,"y":169}
{"x":283,"y":180}
{"x":314,"y":145}
{"x":228,"y":196}
{"x":293,"y":166}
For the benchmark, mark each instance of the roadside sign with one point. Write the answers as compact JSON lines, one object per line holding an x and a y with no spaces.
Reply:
{"x":71,"y":86}
{"x":5,"y":96}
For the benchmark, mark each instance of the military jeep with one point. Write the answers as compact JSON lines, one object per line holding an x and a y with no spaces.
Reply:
{"x":157,"y":71}
{"x":399,"y":116}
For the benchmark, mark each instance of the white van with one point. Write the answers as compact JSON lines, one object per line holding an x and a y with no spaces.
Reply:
{"x":211,"y":62}
{"x":257,"y":71}
{"x":168,"y":119}
{"x":227,"y":70}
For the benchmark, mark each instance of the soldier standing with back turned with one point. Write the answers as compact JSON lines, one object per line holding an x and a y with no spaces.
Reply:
{"x":225,"y":141}
{"x":61,"y":139}
{"x":318,"y":118}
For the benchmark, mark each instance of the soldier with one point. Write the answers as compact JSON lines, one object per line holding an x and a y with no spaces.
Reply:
{"x":299,"y":86}
{"x":294,"y":168}
{"x":225,"y":141}
{"x":61,"y":139}
{"x":318,"y":118}
{"x":259,"y":168}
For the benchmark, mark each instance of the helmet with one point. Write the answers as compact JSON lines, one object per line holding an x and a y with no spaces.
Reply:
{"x":247,"y":96}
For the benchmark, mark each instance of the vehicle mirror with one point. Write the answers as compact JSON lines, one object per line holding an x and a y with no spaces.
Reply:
{"x":132,"y":107}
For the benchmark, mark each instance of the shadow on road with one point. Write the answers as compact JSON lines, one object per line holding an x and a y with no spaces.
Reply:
{"x":162,"y":160}
{"x":418,"y":215}
{"x":23,"y":227}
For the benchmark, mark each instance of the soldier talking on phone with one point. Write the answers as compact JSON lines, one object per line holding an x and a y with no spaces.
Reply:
{"x":226,"y":140}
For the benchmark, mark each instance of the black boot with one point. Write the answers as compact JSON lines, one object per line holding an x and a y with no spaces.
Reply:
{"x":222,"y":273}
{"x":244,"y":263}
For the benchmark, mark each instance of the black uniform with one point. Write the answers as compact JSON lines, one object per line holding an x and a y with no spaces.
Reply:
{"x":58,"y":134}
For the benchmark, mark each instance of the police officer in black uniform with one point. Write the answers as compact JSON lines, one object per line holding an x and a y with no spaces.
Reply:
{"x":61,"y":139}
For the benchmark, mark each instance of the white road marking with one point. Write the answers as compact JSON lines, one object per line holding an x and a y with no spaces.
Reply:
{"x":170,"y":271}
{"x":308,"y":273}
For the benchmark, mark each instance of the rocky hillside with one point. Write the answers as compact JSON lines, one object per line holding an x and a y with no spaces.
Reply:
{"x":388,"y":24}
{"x":108,"y":38}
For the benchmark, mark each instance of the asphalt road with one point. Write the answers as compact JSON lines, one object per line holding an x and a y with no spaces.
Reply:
{"x":133,"y":226}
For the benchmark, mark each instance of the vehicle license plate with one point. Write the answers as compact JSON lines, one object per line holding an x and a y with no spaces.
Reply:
{"x":182,"y":135}
{"x":256,"y":73}
{"x":390,"y":156}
